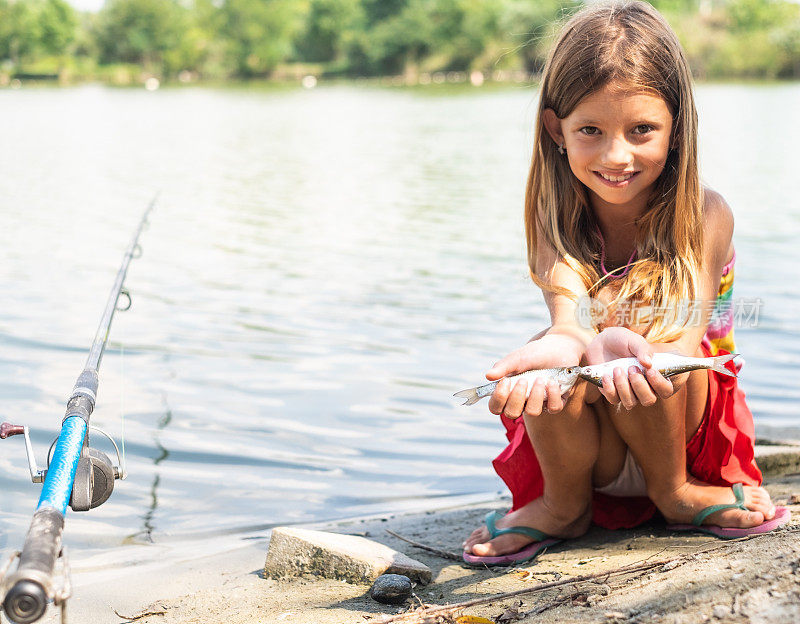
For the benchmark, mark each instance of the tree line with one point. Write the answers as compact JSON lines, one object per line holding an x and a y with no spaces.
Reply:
{"x":247,"y":39}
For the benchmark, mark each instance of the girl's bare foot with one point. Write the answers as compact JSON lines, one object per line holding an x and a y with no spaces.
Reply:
{"x":538,"y":514}
{"x":681,"y":506}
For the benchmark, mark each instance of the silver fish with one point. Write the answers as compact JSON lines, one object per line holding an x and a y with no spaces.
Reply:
{"x":667,"y":364}
{"x":566,"y":376}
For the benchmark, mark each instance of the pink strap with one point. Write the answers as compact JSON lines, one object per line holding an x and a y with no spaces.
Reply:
{"x":727,"y":268}
{"x":607,"y":273}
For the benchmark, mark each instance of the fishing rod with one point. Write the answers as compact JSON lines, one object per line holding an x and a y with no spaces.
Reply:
{"x":76,"y":475}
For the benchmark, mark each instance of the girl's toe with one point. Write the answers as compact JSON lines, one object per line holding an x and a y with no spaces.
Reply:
{"x":736,"y":518}
{"x":749,"y":519}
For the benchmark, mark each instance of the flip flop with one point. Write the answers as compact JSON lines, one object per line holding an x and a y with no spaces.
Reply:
{"x":526,"y":554}
{"x":782,"y":516}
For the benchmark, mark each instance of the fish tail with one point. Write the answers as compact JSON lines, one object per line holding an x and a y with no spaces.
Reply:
{"x":470,"y":395}
{"x":718,"y":364}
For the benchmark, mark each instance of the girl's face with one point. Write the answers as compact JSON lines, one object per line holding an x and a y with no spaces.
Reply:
{"x":617,"y":144}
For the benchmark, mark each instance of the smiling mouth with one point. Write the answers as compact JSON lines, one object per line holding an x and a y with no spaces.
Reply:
{"x":622,"y":177}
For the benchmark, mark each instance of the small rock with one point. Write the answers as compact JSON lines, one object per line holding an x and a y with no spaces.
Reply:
{"x":391,"y":589}
{"x":720,"y":611}
{"x":670,"y":566}
{"x":579,"y":599}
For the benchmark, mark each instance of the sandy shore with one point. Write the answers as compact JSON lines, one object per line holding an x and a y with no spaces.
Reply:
{"x":754,"y":580}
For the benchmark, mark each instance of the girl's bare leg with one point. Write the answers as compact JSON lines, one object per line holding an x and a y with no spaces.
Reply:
{"x":567,"y":446}
{"x":657,"y":437}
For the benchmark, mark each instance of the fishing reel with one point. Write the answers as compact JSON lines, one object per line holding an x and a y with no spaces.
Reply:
{"x":94,"y":477}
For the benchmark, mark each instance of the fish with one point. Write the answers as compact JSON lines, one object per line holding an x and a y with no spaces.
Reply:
{"x":566,"y":376}
{"x":667,"y":364}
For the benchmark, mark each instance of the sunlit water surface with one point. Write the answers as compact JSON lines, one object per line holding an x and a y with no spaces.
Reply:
{"x":323,"y":270}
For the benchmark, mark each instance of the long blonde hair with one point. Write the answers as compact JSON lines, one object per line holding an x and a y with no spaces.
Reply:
{"x":630,"y":44}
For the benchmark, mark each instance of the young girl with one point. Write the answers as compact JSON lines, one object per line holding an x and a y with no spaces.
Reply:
{"x":616,"y":215}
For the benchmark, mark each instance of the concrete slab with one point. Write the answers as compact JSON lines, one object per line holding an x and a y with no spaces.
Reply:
{"x":294,"y":552}
{"x":777,"y":459}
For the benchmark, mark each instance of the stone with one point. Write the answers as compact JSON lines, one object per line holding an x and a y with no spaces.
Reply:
{"x":391,"y":589}
{"x":721,"y":611}
{"x":294,"y":552}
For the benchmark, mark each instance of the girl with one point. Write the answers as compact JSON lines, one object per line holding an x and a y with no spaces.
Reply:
{"x":615,"y":215}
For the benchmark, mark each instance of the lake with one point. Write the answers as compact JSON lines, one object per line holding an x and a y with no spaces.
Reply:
{"x":323,"y":270}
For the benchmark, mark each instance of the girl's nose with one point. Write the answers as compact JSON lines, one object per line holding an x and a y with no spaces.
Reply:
{"x":618,"y":153}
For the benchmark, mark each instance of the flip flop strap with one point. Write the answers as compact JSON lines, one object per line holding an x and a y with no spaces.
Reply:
{"x":492,"y":517}
{"x":738,"y":492}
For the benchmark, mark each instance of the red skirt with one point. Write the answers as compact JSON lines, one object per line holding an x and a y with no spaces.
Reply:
{"x":721,"y":452}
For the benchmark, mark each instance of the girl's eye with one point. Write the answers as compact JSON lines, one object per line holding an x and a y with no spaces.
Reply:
{"x":590,"y":130}
{"x":642,"y":129}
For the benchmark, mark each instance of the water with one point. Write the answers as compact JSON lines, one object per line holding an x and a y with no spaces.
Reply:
{"x":324,"y":269}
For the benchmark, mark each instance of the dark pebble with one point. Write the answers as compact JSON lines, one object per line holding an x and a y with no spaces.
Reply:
{"x":391,"y":589}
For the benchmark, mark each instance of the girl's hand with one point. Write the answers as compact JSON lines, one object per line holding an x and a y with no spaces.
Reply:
{"x":514,"y":399}
{"x":629,"y":387}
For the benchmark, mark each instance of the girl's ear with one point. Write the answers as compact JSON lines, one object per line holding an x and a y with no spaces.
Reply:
{"x":553,"y":126}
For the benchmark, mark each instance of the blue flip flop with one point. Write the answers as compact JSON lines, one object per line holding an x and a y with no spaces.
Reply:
{"x":526,"y":554}
{"x":782,"y":516}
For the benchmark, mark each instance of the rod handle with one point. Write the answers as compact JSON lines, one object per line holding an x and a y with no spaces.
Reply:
{"x":25,"y":602}
{"x":31,"y":585}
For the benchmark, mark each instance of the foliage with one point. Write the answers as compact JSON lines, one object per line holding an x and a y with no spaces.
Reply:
{"x":328,"y":30}
{"x":35,"y":28}
{"x":259,"y":33}
{"x":149,"y":33}
{"x":262,"y":38}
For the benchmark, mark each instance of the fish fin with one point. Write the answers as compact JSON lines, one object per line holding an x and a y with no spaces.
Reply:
{"x":719,"y":364}
{"x":471,"y":396}
{"x":590,"y":379}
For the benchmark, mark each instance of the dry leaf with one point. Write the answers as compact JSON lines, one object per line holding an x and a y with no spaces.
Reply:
{"x":472,"y":619}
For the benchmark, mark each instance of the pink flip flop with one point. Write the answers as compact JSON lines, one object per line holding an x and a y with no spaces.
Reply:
{"x":782,"y":516}
{"x":542,"y":542}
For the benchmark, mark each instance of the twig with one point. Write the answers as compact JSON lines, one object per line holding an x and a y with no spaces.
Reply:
{"x":435,"y":551}
{"x":421,"y":615}
{"x":548,"y":605}
{"x":443,"y":609}
{"x":143,"y":614}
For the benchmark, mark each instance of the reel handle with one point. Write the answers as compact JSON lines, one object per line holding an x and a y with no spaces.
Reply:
{"x":7,"y":430}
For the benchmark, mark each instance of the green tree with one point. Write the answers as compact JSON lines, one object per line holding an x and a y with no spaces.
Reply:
{"x":19,"y":31}
{"x":448,"y":33}
{"x":750,"y":15}
{"x":57,"y":26}
{"x":145,"y":32}
{"x":376,"y":11}
{"x":259,"y":33}
{"x":329,"y":28}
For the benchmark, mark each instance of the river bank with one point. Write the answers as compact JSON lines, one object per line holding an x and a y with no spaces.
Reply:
{"x":693,"y":577}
